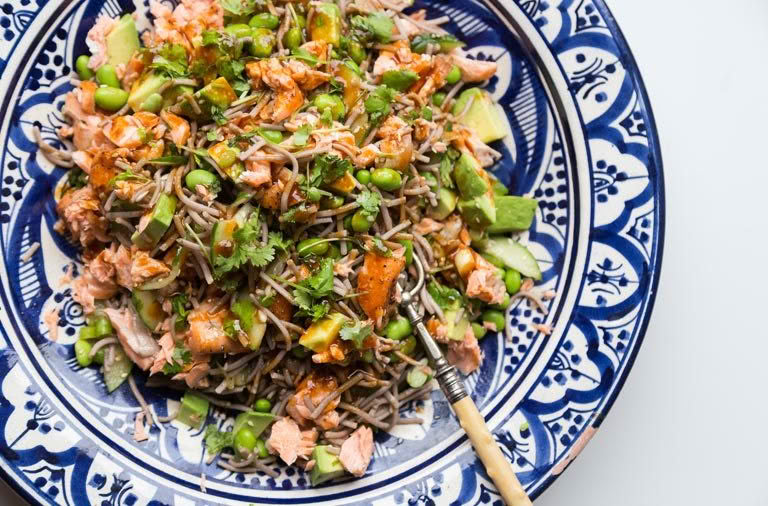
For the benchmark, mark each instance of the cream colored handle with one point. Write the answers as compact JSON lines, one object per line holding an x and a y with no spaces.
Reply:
{"x":496,"y":464}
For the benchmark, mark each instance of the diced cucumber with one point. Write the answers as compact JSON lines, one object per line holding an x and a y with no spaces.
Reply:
{"x":252,"y":321}
{"x":254,"y":420}
{"x":117,"y":372}
{"x":158,"y":223}
{"x":416,"y":377}
{"x":514,"y":255}
{"x":148,"y":307}
{"x":327,"y":466}
{"x":222,"y":239}
{"x":193,"y":410}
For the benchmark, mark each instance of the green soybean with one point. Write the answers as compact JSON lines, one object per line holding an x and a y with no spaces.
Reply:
{"x":363,"y":176}
{"x":406,"y":348}
{"x":333,"y":102}
{"x":245,"y":440}
{"x":84,"y":72}
{"x":503,"y":304}
{"x":348,"y":222}
{"x":261,"y":449}
{"x":495,"y":317}
{"x":454,"y":76}
{"x":356,"y":52}
{"x":301,"y":20}
{"x":438,"y":98}
{"x":82,"y":351}
{"x":398,"y":328}
{"x":273,"y":136}
{"x":263,"y":42}
{"x":292,"y":38}
{"x":264,"y":20}
{"x":201,"y":177}
{"x":430,"y":178}
{"x":110,"y":99}
{"x":360,"y":222}
{"x":262,"y":405}
{"x":332,"y":202}
{"x":107,"y":75}
{"x":386,"y":179}
{"x":478,"y":330}
{"x":101,"y":324}
{"x":312,"y":246}
{"x":238,"y":30}
{"x":408,"y":250}
{"x":88,"y":332}
{"x":153,"y":103}
{"x":513,"y":281}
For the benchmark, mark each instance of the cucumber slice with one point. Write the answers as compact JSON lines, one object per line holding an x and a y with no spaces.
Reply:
{"x":257,"y":422}
{"x":149,"y":308}
{"x":252,"y":321}
{"x":117,"y":372}
{"x":514,"y":255}
{"x":222,"y":238}
{"x":158,"y":223}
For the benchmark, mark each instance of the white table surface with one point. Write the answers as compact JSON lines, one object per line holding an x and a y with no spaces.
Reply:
{"x":689,"y":426}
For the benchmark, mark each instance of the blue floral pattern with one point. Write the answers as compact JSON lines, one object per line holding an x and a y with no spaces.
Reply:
{"x":598,"y":236}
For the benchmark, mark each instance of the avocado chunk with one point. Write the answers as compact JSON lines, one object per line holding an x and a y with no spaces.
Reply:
{"x":218,"y":92}
{"x":446,"y":204}
{"x":513,"y":214}
{"x":193,"y":410}
{"x":326,"y":24}
{"x":499,"y":188}
{"x":484,"y":117}
{"x":122,"y":41}
{"x":226,"y":158}
{"x":514,"y":255}
{"x":321,"y":334}
{"x":478,"y":212}
{"x":148,"y":307}
{"x":252,"y":321}
{"x":173,"y":93}
{"x":143,"y":88}
{"x":343,"y":185}
{"x":158,"y":223}
{"x":470,"y":177}
{"x":254,"y":420}
{"x":455,"y":330}
{"x":327,"y":466}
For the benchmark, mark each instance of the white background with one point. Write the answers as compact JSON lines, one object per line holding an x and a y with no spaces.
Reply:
{"x":689,"y":428}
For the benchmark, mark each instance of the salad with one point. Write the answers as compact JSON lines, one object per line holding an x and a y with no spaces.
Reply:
{"x":250,"y":182}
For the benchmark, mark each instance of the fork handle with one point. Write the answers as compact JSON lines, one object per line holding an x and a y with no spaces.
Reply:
{"x":496,"y":464}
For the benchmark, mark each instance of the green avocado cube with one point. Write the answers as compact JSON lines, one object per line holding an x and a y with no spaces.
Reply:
{"x":478,"y":212}
{"x":143,"y":88}
{"x":219,"y":93}
{"x":484,"y":116}
{"x":157,"y":224}
{"x":513,"y":214}
{"x":446,"y":204}
{"x":470,"y":177}
{"x":254,"y":420}
{"x":327,"y":466}
{"x":193,"y":410}
{"x":122,"y":41}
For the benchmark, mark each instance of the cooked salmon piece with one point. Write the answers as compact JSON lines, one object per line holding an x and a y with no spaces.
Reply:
{"x":316,"y":386}
{"x":96,"y":283}
{"x":144,"y":267}
{"x":474,"y":71}
{"x":466,"y":355}
{"x":484,"y":283}
{"x":206,"y":331}
{"x":426,"y":226}
{"x":96,"y":40}
{"x":357,"y":450}
{"x":79,"y":210}
{"x":288,"y":97}
{"x":135,"y":337}
{"x":256,"y":173}
{"x":375,"y":282}
{"x":164,"y":355}
{"x":396,"y":143}
{"x":195,"y":376}
{"x":289,"y":442}
{"x":179,"y":127}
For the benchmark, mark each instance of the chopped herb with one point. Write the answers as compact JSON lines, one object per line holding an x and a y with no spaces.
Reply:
{"x":216,"y":440}
{"x":218,"y":116}
{"x":290,"y":216}
{"x":445,"y":42}
{"x":127,"y":176}
{"x":308,"y":294}
{"x":375,"y":26}
{"x":446,"y":167}
{"x":77,"y":178}
{"x":370,"y":202}
{"x":247,"y":250}
{"x":170,"y":160}
{"x":179,"y":304}
{"x":171,"y":61}
{"x":445,"y":297}
{"x":232,"y":329}
{"x":377,"y":104}
{"x":212,"y":135}
{"x":356,"y":332}
{"x":327,"y":169}
{"x":180,"y":358}
{"x":380,"y":248}
{"x":306,"y":56}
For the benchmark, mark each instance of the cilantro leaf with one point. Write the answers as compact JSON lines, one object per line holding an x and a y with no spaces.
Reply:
{"x":247,"y":249}
{"x":179,"y":304}
{"x":292,"y":214}
{"x":77,"y":178}
{"x":301,"y":136}
{"x":370,"y":202}
{"x":232,"y":329}
{"x":376,"y":25}
{"x":216,"y":440}
{"x":171,"y":61}
{"x":309,"y":292}
{"x":356,"y":332}
{"x":306,"y":56}
{"x":238,"y":7}
{"x":180,"y":358}
{"x":327,"y":169}
{"x":445,"y":297}
{"x":218,"y":115}
{"x":446,"y":167}
{"x":380,"y":248}
{"x":377,"y":104}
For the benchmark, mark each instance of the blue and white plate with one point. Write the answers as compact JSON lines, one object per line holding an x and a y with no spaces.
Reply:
{"x":583,"y":143}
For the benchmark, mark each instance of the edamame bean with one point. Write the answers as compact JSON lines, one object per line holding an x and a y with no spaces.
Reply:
{"x":333,"y":202}
{"x":334,"y":103}
{"x":102,"y":325}
{"x":263,"y":42}
{"x":512,"y":280}
{"x":454,"y":76}
{"x":110,"y":99}
{"x":107,"y":75}
{"x":82,"y":352}
{"x":356,"y":52}
{"x":292,"y":38}
{"x":261,"y":449}
{"x":302,"y":20}
{"x":245,"y":440}
{"x":238,"y":30}
{"x":348,"y":222}
{"x":478,"y":330}
{"x":430,"y":178}
{"x":408,"y":250}
{"x":88,"y":332}
{"x":503,"y":304}
{"x":153,"y":103}
{"x":398,"y":328}
{"x":264,"y":20}
{"x":273,"y":136}
{"x":495,"y":317}
{"x":426,"y":113}
{"x":262,"y":405}
{"x":201,"y":177}
{"x":312,"y":246}
{"x":386,"y":179}
{"x":406,"y":348}
{"x":438,"y":98}
{"x":84,"y":72}
{"x":360,"y":222}
{"x":363,"y":176}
